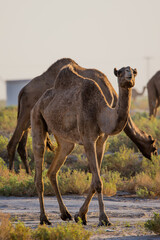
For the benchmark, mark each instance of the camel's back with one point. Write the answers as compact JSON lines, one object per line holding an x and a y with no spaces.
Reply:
{"x":64,"y":81}
{"x":36,"y":87}
{"x":154,"y":82}
{"x":46,"y":79}
{"x":68,"y":81}
{"x":102,"y":80}
{"x":67,"y":78}
{"x":154,"y":79}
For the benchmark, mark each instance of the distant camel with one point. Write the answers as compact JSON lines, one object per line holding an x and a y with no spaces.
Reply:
{"x":29,"y":95}
{"x":76,"y":111}
{"x":153,"y":88}
{"x":136,"y":94}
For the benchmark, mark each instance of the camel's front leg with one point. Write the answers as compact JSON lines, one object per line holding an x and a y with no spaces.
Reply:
{"x":100,"y":147}
{"x":90,"y":148}
{"x":64,"y":148}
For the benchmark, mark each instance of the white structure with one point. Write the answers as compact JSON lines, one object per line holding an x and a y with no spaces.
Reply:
{"x":2,"y":89}
{"x":13,"y":88}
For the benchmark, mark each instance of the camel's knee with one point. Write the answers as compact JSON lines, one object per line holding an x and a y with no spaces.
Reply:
{"x":98,"y":185}
{"x":39,"y":186}
{"x":52,"y":175}
{"x":39,"y":183}
{"x":22,"y":150}
{"x":38,"y":150}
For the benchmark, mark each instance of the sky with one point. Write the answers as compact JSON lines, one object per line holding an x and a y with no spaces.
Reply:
{"x":100,"y":34}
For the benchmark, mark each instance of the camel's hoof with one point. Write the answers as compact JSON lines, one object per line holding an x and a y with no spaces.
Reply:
{"x":66,"y":216}
{"x":104,"y":223}
{"x":45,"y":221}
{"x":83,"y":219}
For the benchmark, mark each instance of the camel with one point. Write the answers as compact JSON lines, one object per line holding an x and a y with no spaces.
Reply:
{"x":76,"y":111}
{"x":30,"y":94}
{"x":136,"y":94}
{"x":153,"y":88}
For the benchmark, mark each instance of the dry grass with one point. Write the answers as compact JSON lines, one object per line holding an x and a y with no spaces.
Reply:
{"x":69,"y":231}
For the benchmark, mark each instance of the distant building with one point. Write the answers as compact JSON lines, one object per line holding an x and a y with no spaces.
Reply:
{"x":2,"y":89}
{"x":13,"y":88}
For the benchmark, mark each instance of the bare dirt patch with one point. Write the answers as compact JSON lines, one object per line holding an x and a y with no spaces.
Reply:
{"x":127,"y":213}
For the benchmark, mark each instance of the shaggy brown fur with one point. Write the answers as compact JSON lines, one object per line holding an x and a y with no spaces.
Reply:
{"x":33,"y":91}
{"x":76,"y":111}
{"x":153,"y":88}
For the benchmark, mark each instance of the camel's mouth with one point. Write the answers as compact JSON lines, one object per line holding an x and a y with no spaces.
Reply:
{"x":129,"y":78}
{"x":130,"y":83}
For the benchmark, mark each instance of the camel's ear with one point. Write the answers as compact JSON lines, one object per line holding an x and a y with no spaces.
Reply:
{"x":135,"y":72}
{"x":115,"y":72}
{"x":151,"y":139}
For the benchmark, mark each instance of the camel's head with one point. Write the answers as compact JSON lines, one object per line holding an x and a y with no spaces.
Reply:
{"x":148,"y":147}
{"x":126,"y":77}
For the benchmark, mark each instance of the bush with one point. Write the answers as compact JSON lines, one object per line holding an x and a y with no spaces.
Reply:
{"x":111,"y":181}
{"x":3,"y":147}
{"x":125,"y":161}
{"x":8,"y":119}
{"x":70,"y":182}
{"x":143,"y":185}
{"x":154,"y":223}
{"x":68,"y":231}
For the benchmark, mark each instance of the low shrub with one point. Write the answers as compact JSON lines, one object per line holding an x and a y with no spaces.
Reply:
{"x":154,"y":224}
{"x":67,"y":231}
{"x":8,"y":119}
{"x":143,"y":185}
{"x":3,"y":147}
{"x":125,"y":161}
{"x":70,"y":182}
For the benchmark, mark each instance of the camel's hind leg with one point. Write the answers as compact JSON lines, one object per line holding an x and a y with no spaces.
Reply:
{"x":100,"y":147}
{"x":22,"y":125}
{"x":22,"y":150}
{"x":64,"y":148}
{"x":39,"y":135}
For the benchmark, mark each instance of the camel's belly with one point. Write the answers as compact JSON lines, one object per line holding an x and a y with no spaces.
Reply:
{"x":64,"y":124}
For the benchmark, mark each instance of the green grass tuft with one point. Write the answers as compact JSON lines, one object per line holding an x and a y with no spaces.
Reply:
{"x":154,"y":224}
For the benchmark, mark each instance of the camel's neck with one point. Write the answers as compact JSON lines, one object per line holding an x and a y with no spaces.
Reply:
{"x":113,"y":120}
{"x":122,"y":109}
{"x":142,"y":91}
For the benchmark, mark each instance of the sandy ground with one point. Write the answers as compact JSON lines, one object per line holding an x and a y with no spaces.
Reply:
{"x":127,"y":213}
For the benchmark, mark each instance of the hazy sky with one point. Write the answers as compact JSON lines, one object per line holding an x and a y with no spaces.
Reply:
{"x":100,"y":34}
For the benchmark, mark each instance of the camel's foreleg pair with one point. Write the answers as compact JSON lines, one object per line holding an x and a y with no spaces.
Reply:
{"x":96,"y":152}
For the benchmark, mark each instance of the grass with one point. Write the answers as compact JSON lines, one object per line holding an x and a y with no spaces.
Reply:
{"x":154,"y":224}
{"x":122,"y":169}
{"x":8,"y":119}
{"x":70,"y":182}
{"x":18,"y":231}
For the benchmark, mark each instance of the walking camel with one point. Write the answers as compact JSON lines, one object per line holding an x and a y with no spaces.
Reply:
{"x":30,"y":94}
{"x":136,"y":94}
{"x":76,"y":111}
{"x":153,"y":88}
